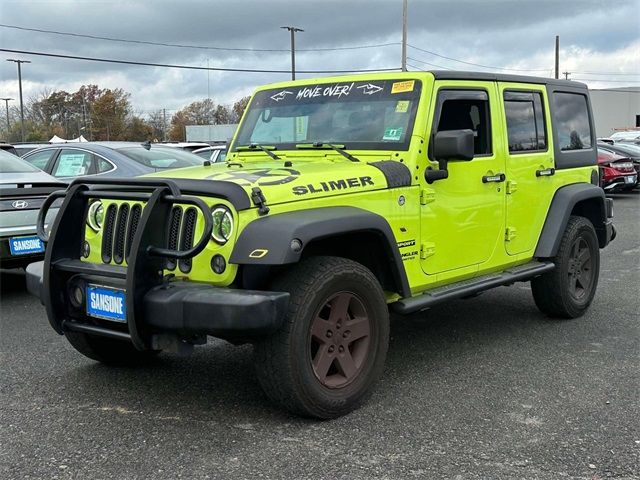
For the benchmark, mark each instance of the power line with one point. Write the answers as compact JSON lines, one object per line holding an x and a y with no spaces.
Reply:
{"x":199,"y":47}
{"x":413,"y":66}
{"x":427,"y":63}
{"x":189,"y":67}
{"x":478,"y":64}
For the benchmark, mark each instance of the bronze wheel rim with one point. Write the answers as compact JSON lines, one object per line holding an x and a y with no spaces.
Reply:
{"x":580,"y":271}
{"x":339,"y":340}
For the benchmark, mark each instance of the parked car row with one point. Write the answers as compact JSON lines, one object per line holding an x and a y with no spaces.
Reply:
{"x":619,"y":166}
{"x":26,"y":182}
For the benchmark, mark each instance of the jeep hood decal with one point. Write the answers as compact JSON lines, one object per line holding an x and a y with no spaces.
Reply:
{"x":302,"y":179}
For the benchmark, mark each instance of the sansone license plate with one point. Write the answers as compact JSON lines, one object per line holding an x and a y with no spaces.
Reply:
{"x":25,"y":245}
{"x":107,"y":303}
{"x":630,"y":179}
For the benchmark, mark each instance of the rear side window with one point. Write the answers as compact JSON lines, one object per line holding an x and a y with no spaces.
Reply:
{"x":571,"y":117}
{"x":72,"y":163}
{"x":40,"y":159}
{"x":525,"y":121}
{"x":103,"y":165}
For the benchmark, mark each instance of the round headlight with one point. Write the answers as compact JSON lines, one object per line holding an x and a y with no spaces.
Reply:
{"x":95,"y":216}
{"x":222,"y":224}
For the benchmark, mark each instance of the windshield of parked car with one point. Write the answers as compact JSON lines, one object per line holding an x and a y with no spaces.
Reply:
{"x":369,"y":115}
{"x":161,"y":157}
{"x":9,"y":163}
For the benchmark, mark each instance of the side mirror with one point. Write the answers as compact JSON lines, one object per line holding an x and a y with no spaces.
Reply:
{"x":453,"y":145}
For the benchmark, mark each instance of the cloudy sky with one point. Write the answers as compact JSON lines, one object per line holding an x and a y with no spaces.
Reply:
{"x":600,"y":42}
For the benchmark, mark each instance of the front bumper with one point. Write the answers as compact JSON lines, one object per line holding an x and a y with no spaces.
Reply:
{"x":183,"y":309}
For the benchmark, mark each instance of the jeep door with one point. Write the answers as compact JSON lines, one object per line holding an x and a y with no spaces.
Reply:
{"x":462,"y":216}
{"x":529,"y":170}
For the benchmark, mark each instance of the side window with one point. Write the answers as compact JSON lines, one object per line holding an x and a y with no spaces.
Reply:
{"x":103,"y":165}
{"x":72,"y":163}
{"x":525,"y":121}
{"x":467,"y":110}
{"x":571,"y":118}
{"x":40,"y":159}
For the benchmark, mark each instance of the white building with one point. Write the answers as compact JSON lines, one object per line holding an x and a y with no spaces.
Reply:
{"x":210,"y":133}
{"x":615,"y":109}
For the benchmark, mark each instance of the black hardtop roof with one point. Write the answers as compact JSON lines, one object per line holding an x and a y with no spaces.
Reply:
{"x":502,"y":77}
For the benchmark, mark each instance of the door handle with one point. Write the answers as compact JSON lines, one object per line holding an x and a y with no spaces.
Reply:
{"x":547,"y":172}
{"x":497,"y":178}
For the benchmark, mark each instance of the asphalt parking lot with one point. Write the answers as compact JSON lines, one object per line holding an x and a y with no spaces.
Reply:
{"x":481,"y":388}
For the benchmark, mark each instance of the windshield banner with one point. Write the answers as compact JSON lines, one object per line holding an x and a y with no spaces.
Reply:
{"x":343,"y":91}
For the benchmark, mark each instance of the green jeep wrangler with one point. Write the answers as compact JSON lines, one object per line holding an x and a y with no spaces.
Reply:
{"x":341,"y":199}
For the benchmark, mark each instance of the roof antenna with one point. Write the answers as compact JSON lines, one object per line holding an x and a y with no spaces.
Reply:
{"x":147,"y":145}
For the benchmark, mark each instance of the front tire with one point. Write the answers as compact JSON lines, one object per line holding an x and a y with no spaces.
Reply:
{"x":331,"y":348}
{"x":568,"y":290}
{"x":109,"y":351}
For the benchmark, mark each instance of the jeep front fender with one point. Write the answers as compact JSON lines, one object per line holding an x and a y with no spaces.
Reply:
{"x":269,"y":240}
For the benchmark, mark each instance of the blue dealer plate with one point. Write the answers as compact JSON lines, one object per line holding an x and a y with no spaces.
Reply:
{"x":106,"y":303}
{"x":25,"y":245}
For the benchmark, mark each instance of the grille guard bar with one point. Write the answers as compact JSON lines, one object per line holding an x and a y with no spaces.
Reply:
{"x":147,"y":257}
{"x":174,"y":197}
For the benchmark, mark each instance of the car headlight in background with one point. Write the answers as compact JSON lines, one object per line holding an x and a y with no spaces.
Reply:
{"x":222,"y":224}
{"x":95,"y":215}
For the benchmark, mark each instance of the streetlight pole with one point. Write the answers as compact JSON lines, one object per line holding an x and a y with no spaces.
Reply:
{"x":404,"y":35}
{"x":20,"y":62}
{"x":6,"y":104}
{"x":293,"y":31}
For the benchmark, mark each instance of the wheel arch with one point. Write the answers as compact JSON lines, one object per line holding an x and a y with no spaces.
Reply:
{"x":348,"y":232}
{"x":582,"y":199}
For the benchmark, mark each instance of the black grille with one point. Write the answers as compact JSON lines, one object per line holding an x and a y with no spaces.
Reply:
{"x":121,"y":224}
{"x":134,"y":220}
{"x":107,"y":233}
{"x":173,"y":234}
{"x":121,"y":232}
{"x":187,"y":236}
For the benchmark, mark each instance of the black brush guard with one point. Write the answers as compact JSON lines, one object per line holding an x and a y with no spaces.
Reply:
{"x":181,"y":308}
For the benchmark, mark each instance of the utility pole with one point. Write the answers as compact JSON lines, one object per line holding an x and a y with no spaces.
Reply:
{"x":404,"y":35}
{"x":20,"y":62}
{"x":6,"y":104}
{"x":164,"y":124}
{"x":557,"y":56}
{"x":566,"y":75}
{"x":293,"y":31}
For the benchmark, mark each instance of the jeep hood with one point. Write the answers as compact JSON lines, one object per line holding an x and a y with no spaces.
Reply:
{"x":302,"y":180}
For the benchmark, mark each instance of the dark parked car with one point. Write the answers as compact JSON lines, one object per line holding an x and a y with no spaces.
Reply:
{"x":112,"y":159}
{"x":214,"y":153}
{"x":616,"y":172}
{"x":629,"y":150}
{"x":7,"y":147}
{"x":23,"y":189}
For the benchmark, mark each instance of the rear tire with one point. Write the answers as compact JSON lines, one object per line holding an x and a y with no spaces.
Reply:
{"x":331,"y":348}
{"x":109,"y":351}
{"x":568,"y":290}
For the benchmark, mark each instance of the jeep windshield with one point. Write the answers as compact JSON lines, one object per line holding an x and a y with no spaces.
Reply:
{"x":365,"y":115}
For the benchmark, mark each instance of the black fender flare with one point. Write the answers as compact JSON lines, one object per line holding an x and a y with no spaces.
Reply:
{"x":268,"y":240}
{"x":563,"y":205}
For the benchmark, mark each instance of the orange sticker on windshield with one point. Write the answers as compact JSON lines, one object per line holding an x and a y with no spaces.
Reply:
{"x":406,"y":86}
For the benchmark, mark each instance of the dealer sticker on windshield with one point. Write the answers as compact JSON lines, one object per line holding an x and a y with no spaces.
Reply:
{"x":107,"y":303}
{"x":406,"y":86}
{"x":394,"y":134}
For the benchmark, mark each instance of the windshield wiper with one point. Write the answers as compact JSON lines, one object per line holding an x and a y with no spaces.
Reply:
{"x":254,"y":146}
{"x":337,"y":148}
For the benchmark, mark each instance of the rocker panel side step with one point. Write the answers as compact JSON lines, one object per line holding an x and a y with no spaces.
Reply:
{"x":472,"y":286}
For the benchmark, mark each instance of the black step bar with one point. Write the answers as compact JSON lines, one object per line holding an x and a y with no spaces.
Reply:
{"x":471,"y":287}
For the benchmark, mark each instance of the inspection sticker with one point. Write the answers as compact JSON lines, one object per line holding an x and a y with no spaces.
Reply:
{"x":394,"y":134}
{"x":406,"y":86}
{"x":402,"y":106}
